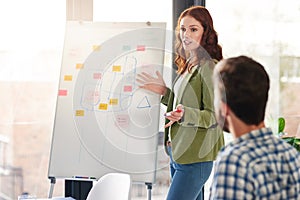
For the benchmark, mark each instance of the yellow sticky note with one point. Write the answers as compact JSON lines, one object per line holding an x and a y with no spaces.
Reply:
{"x":79,"y":113}
{"x":113,"y":101}
{"x":96,"y":47}
{"x":116,"y":68}
{"x":79,"y":66}
{"x":68,"y":78}
{"x":103,"y":106}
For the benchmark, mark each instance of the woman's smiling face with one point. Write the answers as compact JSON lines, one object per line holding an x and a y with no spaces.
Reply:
{"x":191,"y":32}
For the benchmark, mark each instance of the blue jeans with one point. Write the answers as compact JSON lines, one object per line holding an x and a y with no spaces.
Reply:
{"x":187,"y":180}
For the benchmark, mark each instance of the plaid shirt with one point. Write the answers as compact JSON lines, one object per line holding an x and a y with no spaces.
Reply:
{"x":257,"y":165}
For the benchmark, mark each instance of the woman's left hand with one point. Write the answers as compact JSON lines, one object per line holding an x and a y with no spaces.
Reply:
{"x":174,"y":115}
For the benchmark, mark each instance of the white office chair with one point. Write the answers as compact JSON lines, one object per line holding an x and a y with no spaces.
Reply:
{"x":112,"y":186}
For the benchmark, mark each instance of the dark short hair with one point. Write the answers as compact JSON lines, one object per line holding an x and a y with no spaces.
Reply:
{"x":244,"y":85}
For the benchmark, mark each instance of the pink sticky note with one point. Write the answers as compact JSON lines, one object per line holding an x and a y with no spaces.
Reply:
{"x":140,"y":48}
{"x":97,"y":76}
{"x":122,"y":121}
{"x":128,"y":88}
{"x":62,"y":92}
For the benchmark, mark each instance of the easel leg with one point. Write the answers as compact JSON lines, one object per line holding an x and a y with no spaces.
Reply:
{"x":149,"y":188}
{"x":52,"y":182}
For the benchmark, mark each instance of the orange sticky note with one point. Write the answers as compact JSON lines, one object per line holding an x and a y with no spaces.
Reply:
{"x":116,"y":68}
{"x":68,"y":78}
{"x":79,"y":113}
{"x":103,"y":106}
{"x":113,"y":101}
{"x":96,"y":47}
{"x":79,"y":66}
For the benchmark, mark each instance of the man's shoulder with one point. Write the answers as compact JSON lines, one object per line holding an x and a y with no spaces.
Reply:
{"x":235,"y":153}
{"x":249,"y":152}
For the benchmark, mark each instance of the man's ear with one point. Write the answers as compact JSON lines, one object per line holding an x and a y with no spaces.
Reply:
{"x":224,"y":109}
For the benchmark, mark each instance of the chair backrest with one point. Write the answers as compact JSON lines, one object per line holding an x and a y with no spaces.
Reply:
{"x":112,"y":186}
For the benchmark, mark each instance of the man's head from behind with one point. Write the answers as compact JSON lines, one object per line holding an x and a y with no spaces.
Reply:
{"x":242,"y":84}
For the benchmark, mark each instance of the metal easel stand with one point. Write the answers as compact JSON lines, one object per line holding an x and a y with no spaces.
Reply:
{"x":149,"y":188}
{"x":52,"y":182}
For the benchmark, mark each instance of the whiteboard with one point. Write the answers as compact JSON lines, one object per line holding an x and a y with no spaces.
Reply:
{"x":103,"y":121}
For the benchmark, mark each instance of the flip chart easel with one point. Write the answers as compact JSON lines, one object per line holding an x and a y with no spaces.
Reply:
{"x":104,"y":122}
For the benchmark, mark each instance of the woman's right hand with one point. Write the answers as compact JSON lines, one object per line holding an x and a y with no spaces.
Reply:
{"x":151,"y":83}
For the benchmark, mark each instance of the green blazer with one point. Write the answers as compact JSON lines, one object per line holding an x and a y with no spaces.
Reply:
{"x":197,"y":137}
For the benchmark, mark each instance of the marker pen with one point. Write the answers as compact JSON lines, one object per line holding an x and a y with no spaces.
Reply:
{"x":168,"y":114}
{"x":84,"y":177}
{"x":178,"y":110}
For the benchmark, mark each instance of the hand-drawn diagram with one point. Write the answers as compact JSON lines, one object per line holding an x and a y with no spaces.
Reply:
{"x":113,"y":90}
